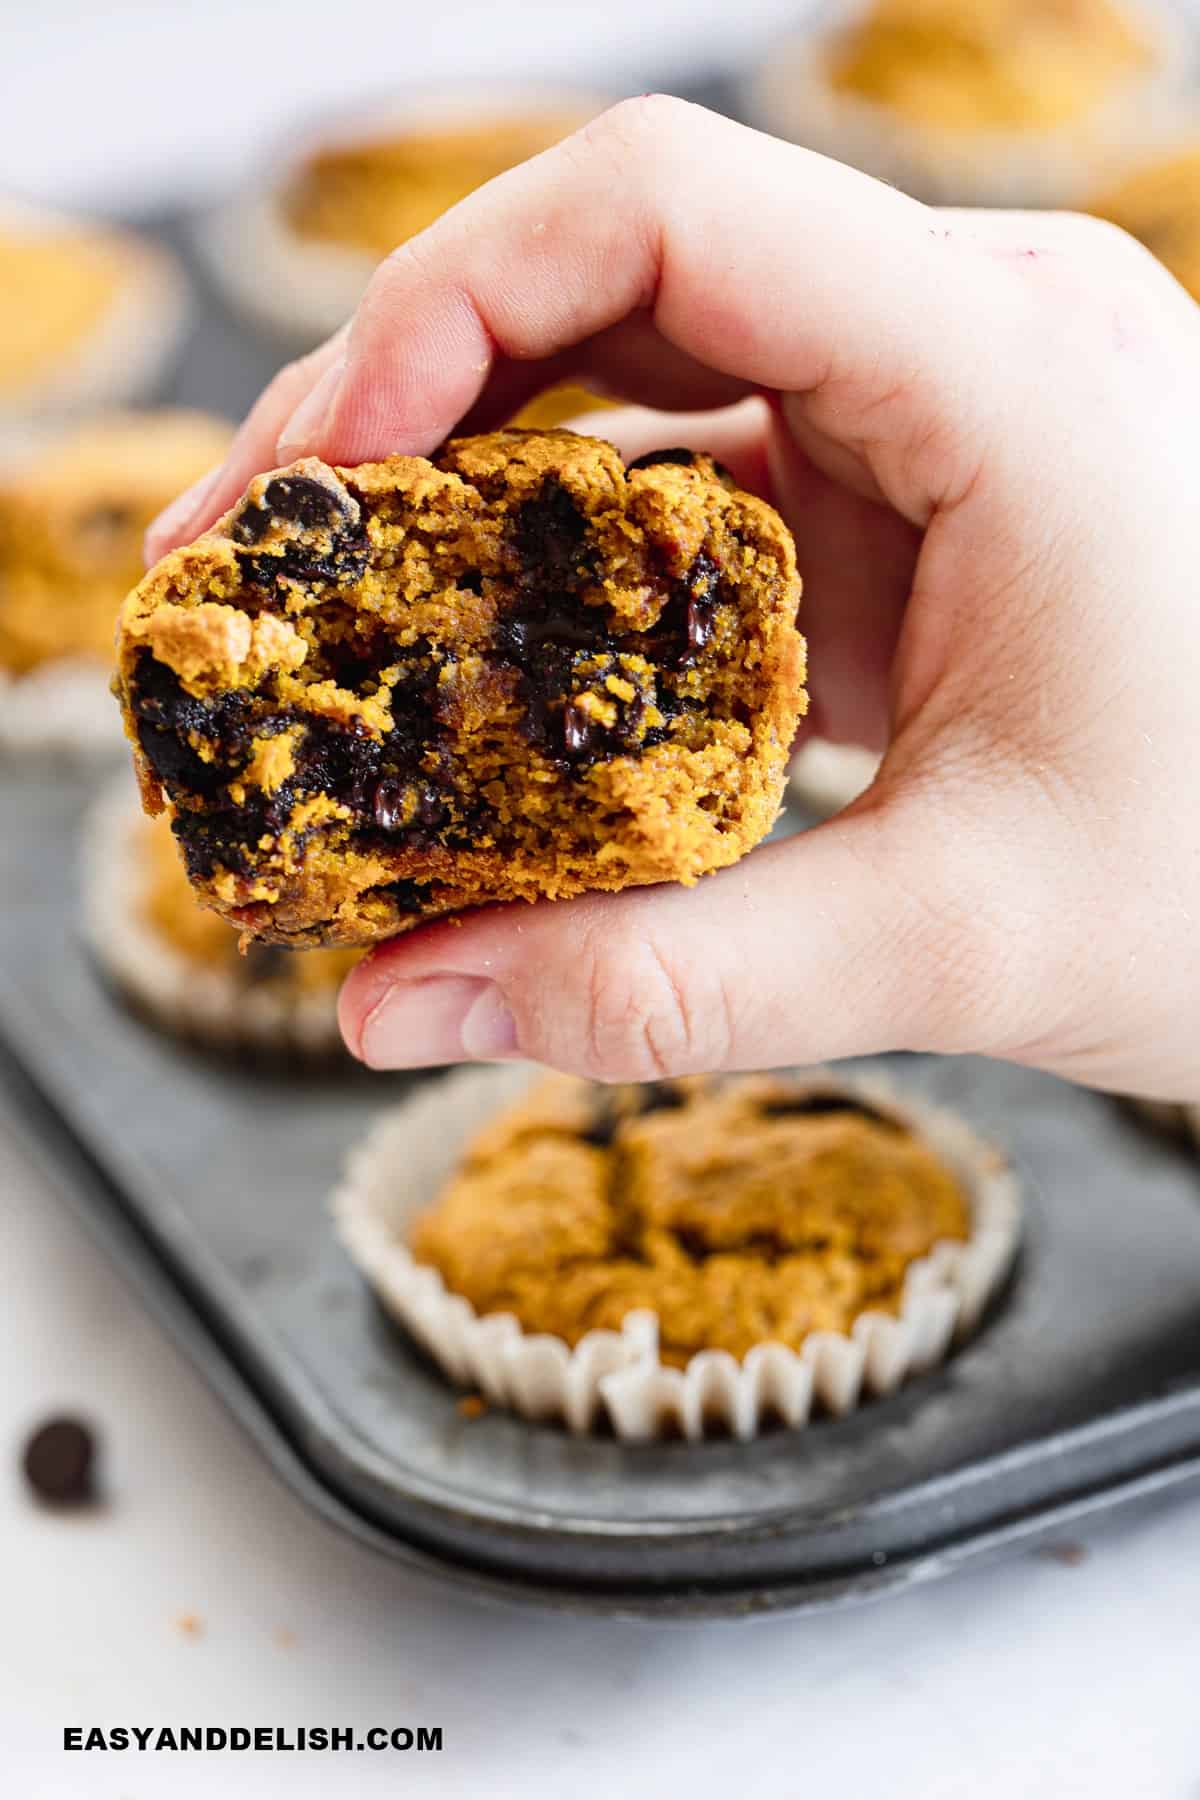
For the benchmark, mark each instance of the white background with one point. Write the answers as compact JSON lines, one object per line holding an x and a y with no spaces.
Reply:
{"x":1040,"y":1677}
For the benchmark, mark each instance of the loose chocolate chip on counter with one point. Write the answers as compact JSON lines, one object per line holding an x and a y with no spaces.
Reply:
{"x":59,"y":1460}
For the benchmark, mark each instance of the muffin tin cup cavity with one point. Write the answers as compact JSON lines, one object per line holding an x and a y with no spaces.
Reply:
{"x":790,"y":95}
{"x":189,"y":998}
{"x":616,"y":1377}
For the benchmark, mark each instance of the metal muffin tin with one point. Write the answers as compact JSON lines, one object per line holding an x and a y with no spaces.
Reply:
{"x":208,"y":1181}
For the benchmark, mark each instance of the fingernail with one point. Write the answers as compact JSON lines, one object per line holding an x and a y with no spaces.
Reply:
{"x":441,"y":1019}
{"x":306,"y":427}
{"x":175,"y":520}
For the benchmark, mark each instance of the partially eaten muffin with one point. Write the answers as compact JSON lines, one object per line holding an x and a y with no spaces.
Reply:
{"x":375,"y":696}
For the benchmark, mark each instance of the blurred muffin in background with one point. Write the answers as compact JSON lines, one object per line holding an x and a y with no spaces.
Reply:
{"x":73,"y":511}
{"x":1160,"y":204}
{"x":89,"y":315}
{"x":296,"y":251}
{"x":180,"y":964}
{"x":996,"y":102}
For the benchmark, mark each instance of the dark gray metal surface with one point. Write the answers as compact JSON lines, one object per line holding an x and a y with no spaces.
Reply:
{"x":1086,"y":1380}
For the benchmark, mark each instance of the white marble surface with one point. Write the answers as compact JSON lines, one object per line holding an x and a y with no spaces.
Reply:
{"x":1033,"y":1678}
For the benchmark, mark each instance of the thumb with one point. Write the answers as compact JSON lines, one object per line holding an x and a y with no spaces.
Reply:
{"x":846,"y":941}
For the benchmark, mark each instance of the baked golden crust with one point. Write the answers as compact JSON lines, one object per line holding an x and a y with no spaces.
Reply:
{"x":374,"y":194}
{"x":72,"y":518}
{"x":1160,"y":205}
{"x":992,"y":64}
{"x":374,"y":696}
{"x":740,"y":1212}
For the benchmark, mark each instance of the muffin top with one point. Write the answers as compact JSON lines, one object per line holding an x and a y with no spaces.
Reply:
{"x":991,"y":64}
{"x":168,"y":908}
{"x":739,"y":1211}
{"x":1160,"y":204}
{"x":72,"y":516}
{"x":372,"y":194}
{"x":56,"y":288}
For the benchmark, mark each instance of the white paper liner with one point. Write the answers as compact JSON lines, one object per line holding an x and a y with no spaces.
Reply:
{"x":791,"y":96}
{"x":61,"y":708}
{"x":302,"y":289}
{"x":122,"y":359}
{"x":414,"y":1148}
{"x":185,"y":996}
{"x":826,"y":777}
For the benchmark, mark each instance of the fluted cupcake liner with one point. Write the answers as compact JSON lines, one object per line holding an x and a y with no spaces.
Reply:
{"x":791,"y":96}
{"x":618,"y":1375}
{"x":180,"y":993}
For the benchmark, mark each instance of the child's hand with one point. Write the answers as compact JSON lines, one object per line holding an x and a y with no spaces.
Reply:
{"x":984,"y":430}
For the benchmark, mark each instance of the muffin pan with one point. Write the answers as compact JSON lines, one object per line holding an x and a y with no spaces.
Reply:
{"x":209,"y":1183}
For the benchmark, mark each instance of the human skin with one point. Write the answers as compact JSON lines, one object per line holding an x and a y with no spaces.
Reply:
{"x":981,"y":428}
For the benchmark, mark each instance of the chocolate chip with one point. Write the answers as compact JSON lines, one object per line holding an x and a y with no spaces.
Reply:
{"x":551,"y":537}
{"x":819,"y":1105}
{"x":387,"y":807}
{"x":294,"y":500}
{"x":578,"y":730}
{"x":676,"y":454}
{"x":406,"y":896}
{"x":58,"y":1462}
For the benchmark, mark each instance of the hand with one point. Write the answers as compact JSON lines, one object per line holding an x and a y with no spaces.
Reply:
{"x":982,"y":429}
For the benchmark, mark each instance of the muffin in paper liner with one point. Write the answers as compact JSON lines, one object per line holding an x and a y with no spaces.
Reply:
{"x":619,"y":1375}
{"x":825,"y":777}
{"x":112,"y":347}
{"x":75,"y":499}
{"x":1035,"y":165}
{"x":188,"y":977}
{"x":302,"y":286}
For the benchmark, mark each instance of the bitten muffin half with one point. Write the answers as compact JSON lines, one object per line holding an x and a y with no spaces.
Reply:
{"x":374,"y":696}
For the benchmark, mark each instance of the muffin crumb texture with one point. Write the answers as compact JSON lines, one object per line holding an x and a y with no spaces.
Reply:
{"x":740,"y":1212}
{"x":374,"y":696}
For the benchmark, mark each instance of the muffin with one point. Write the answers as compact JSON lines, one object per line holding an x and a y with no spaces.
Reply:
{"x":1160,"y":204}
{"x":1000,"y":102}
{"x":88,"y":315}
{"x":73,"y":511}
{"x":297,"y":251}
{"x":179,"y":964}
{"x":676,"y":1255}
{"x":376,"y":696}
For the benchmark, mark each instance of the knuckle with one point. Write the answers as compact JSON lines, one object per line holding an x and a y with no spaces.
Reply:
{"x":643,"y":124}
